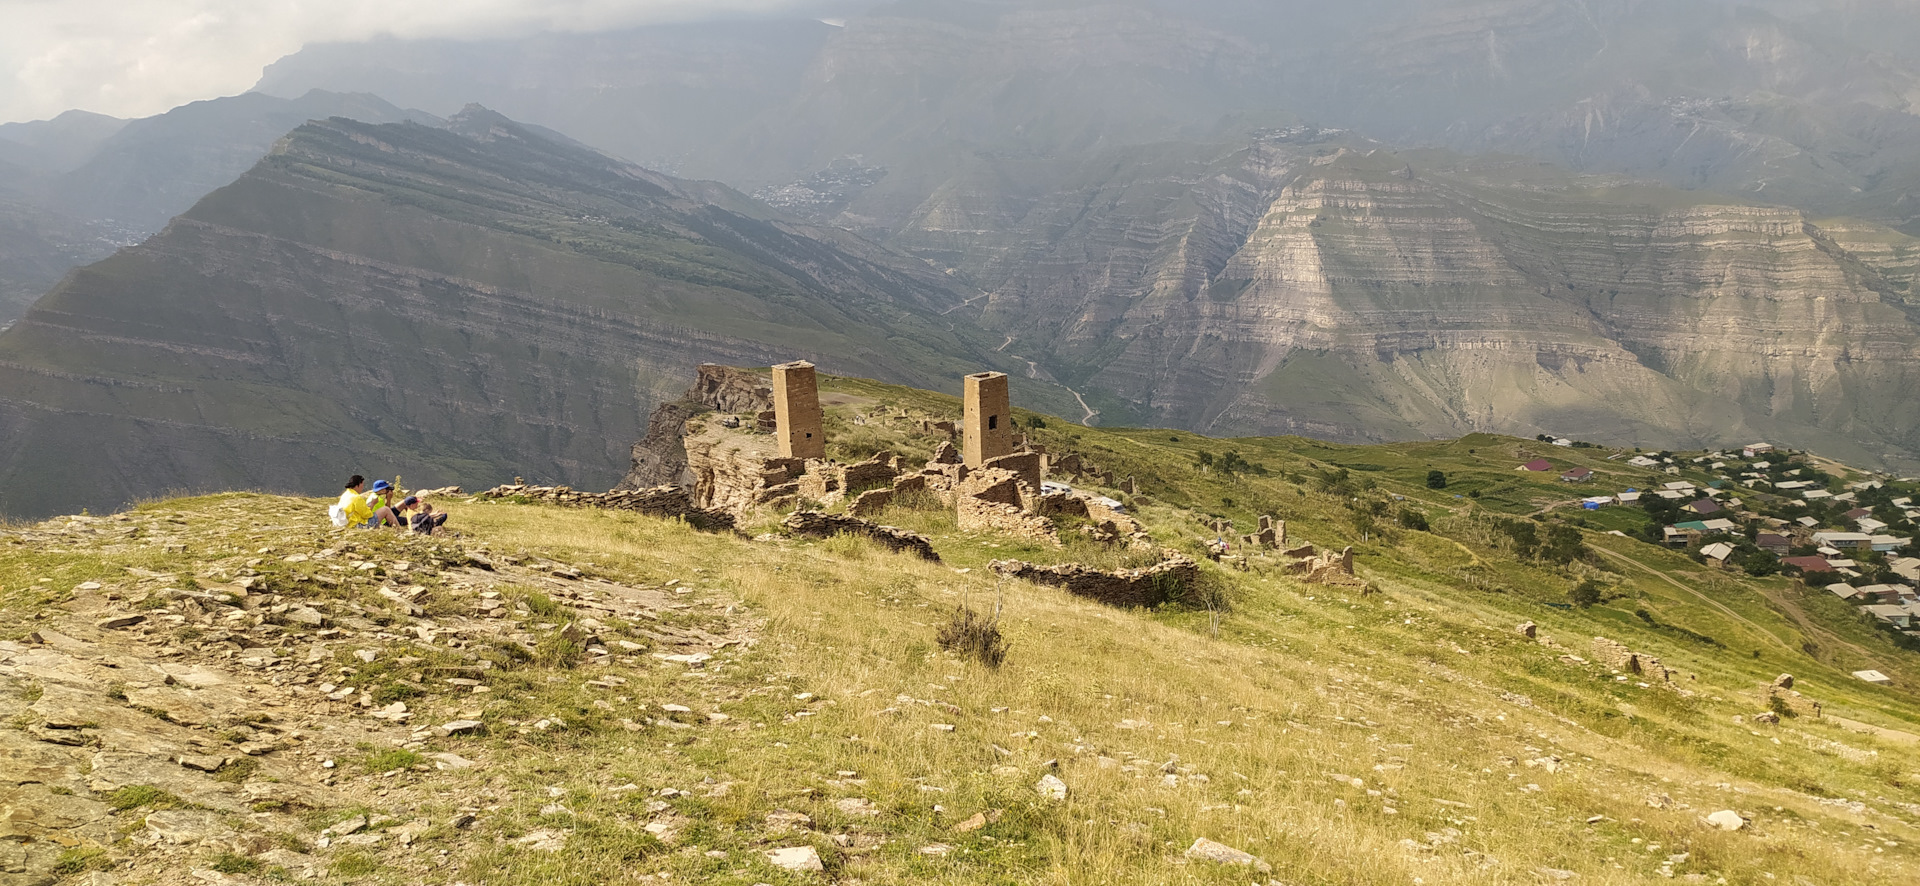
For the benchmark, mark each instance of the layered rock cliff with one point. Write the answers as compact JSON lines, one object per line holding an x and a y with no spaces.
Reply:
{"x":1331,"y":287}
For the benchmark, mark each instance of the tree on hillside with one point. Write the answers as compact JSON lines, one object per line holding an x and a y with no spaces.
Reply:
{"x":1585,"y":594}
{"x":1436,"y":479}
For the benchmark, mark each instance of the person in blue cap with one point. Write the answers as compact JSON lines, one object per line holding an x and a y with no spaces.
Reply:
{"x":380,"y":501}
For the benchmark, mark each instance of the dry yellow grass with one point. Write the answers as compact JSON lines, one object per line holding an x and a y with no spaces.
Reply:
{"x":1384,"y":739}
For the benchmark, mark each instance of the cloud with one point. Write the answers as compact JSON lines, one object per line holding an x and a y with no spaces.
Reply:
{"x":132,"y":58}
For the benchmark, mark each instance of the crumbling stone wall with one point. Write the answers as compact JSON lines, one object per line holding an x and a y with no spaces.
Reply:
{"x":826,"y":481}
{"x":1617,"y":656}
{"x":1024,"y":465}
{"x":815,"y":524}
{"x":1150,"y":586}
{"x":870,"y":502}
{"x":976,"y":515}
{"x":998,"y":487}
{"x":1329,"y":568}
{"x":1271,"y":535}
{"x":660,"y":501}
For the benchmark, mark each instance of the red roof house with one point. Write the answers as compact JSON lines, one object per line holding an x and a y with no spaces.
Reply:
{"x":1808,"y":564}
{"x":1538,"y":464}
{"x":1577,"y":475}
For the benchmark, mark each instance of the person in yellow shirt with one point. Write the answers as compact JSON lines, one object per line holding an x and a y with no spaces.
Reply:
{"x":354,"y":505}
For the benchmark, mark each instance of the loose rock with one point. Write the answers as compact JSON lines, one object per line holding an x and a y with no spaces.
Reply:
{"x":1204,"y":849}
{"x":797,"y":858}
{"x":1727,"y":820}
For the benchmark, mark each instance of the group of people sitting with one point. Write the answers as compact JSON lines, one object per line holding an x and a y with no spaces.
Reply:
{"x":376,"y":508}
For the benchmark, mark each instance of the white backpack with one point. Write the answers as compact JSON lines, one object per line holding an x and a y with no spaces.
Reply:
{"x":338,"y":514}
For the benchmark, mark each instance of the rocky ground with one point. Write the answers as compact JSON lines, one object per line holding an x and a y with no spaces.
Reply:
{"x":271,"y":705}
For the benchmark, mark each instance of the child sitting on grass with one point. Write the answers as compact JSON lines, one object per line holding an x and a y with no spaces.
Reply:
{"x":426,"y":522}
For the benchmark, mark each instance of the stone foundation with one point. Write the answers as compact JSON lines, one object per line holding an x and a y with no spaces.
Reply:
{"x":1125,"y":588}
{"x":660,"y":501}
{"x":814,"y":524}
{"x":1617,"y":656}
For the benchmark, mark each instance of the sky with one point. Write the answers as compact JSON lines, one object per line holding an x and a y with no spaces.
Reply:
{"x":134,"y":58}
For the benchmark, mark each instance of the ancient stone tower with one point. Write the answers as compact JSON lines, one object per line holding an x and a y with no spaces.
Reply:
{"x":796,"y":411}
{"x":988,"y":423}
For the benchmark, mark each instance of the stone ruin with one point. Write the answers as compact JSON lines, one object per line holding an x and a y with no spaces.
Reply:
{"x":993,"y":481}
{"x":1617,"y":656}
{"x":1127,"y":588}
{"x":660,"y":501}
{"x":815,"y":524}
{"x":799,"y":424}
{"x":987,"y":418}
{"x":1781,"y":694}
{"x":1271,"y":536}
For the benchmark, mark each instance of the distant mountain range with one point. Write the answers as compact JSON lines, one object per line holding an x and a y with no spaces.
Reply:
{"x":75,"y":188}
{"x":457,"y":304}
{"x":1661,"y":224}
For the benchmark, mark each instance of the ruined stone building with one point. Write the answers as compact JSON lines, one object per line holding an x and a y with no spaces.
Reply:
{"x":987,"y":422}
{"x":798,"y":424}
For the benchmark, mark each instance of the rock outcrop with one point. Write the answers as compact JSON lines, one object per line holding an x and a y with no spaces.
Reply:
{"x":660,"y":457}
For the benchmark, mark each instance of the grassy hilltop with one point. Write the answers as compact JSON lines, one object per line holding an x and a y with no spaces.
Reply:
{"x":1406,"y":735}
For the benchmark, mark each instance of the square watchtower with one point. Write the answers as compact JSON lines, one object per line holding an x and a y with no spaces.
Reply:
{"x":796,"y":411}
{"x":988,"y":420}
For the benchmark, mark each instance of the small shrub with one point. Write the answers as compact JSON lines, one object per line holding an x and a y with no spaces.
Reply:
{"x":353,"y":864}
{"x":973,"y":636}
{"x":238,"y":771}
{"x":1779,"y":706}
{"x":561,"y":649}
{"x":542,"y":605}
{"x":391,"y":759}
{"x":1436,"y":480}
{"x":81,"y":859}
{"x":1587,"y":594}
{"x":135,"y":796}
{"x":229,"y":863}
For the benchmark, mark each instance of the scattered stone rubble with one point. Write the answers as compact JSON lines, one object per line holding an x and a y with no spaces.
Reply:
{"x":1150,"y":586}
{"x":226,"y":695}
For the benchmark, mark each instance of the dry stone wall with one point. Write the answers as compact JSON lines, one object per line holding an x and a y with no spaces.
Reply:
{"x":1150,"y":586}
{"x":815,"y":524}
{"x":660,"y":501}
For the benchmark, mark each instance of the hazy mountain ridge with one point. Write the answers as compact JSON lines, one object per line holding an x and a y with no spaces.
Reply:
{"x":82,"y":185}
{"x":456,"y":305}
{"x":1358,"y":293}
{"x":1809,"y":104}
